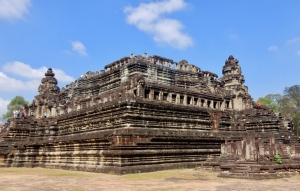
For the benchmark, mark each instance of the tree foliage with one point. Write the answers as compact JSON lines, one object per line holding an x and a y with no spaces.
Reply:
{"x":271,"y":101}
{"x":293,"y":94}
{"x":16,"y":103}
{"x":287,"y":104}
{"x":290,"y":105}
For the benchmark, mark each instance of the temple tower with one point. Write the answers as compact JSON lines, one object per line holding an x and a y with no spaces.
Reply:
{"x":234,"y":84}
{"x":48,"y":94}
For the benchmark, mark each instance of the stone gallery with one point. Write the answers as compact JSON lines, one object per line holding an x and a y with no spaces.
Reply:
{"x":148,"y":113}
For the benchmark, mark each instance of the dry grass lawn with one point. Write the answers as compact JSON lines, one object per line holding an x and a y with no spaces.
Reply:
{"x":25,"y":179}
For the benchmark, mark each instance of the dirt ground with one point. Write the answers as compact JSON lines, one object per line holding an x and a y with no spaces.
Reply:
{"x":25,"y":179}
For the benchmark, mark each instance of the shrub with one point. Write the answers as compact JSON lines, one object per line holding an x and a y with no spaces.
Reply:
{"x":278,"y":159}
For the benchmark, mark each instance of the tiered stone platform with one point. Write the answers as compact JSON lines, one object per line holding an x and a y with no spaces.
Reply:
{"x":147,"y":113}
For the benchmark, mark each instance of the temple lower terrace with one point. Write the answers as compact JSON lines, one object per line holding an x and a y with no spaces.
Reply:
{"x":148,"y":113}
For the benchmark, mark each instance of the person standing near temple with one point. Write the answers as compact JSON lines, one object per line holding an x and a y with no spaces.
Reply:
{"x":23,"y":114}
{"x":258,"y":105}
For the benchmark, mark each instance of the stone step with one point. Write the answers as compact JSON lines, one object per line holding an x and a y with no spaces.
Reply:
{"x":239,"y":171}
{"x":246,"y":163}
{"x":241,"y":168}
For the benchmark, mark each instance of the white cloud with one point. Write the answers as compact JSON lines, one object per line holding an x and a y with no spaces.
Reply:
{"x":148,"y":17}
{"x":293,"y":40}
{"x":11,"y":84}
{"x":3,"y":106}
{"x":79,"y":48}
{"x":298,"y":52}
{"x":13,"y":9}
{"x":273,"y":48}
{"x":25,"y":70}
{"x":61,"y":76}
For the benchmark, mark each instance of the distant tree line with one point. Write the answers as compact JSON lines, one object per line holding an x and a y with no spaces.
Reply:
{"x":288,"y":104}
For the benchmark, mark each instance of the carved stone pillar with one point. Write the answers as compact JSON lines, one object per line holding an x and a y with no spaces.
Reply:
{"x":192,"y":100}
{"x":178,"y":99}
{"x":222,"y":105}
{"x":139,"y":90}
{"x":169,"y":98}
{"x":185,"y":100}
{"x":199,"y":102}
{"x":151,"y":95}
{"x":160,"y":96}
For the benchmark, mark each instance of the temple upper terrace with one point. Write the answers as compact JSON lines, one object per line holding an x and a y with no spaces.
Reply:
{"x":157,"y":60}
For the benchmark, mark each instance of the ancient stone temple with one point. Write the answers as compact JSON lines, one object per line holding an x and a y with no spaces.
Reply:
{"x":146,"y":113}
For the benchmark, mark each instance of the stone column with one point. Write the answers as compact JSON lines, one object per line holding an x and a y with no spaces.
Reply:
{"x":151,"y":95}
{"x":169,"y":98}
{"x":178,"y":99}
{"x":205,"y":103}
{"x":199,"y":102}
{"x":185,"y":100}
{"x":160,"y":95}
{"x":138,"y":91}
{"x":192,"y":100}
{"x":211,"y":105}
{"x":36,"y":111}
{"x":222,"y":105}
{"x":143,"y":91}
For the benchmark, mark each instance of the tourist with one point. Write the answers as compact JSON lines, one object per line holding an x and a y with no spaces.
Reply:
{"x":23,"y":114}
{"x":258,"y":105}
{"x":18,"y":113}
{"x":31,"y":113}
{"x":45,"y":114}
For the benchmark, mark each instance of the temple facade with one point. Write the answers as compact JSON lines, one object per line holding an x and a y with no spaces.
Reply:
{"x":146,"y":113}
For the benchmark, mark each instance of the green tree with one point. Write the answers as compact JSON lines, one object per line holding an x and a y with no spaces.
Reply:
{"x":17,"y":103}
{"x":274,"y":97}
{"x":287,"y":107}
{"x":296,"y":121}
{"x":293,"y":93}
{"x":287,"y":104}
{"x":271,"y":101}
{"x":290,"y":105}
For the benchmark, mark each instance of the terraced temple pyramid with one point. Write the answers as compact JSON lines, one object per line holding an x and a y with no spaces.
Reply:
{"x":147,"y":113}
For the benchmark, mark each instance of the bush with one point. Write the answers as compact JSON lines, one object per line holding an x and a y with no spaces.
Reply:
{"x":278,"y":159}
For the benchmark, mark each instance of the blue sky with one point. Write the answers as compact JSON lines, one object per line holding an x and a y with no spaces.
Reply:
{"x":77,"y":36}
